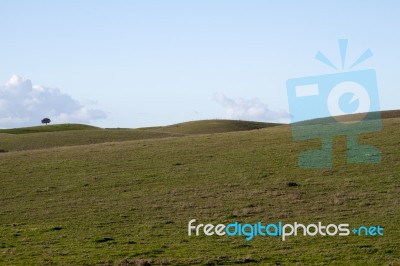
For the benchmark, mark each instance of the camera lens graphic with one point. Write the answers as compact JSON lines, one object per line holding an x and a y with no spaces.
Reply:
{"x":348,"y":98}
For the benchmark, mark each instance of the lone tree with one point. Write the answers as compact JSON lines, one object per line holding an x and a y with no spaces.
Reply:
{"x":46,"y":120}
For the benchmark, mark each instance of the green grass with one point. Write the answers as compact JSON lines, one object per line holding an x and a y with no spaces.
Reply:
{"x":47,"y":128}
{"x":213,"y":126}
{"x":129,"y":202}
{"x":354,"y":117}
{"x":17,"y":142}
{"x":43,"y":137}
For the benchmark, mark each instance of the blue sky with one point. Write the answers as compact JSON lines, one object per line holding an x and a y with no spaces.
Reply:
{"x":146,"y":63}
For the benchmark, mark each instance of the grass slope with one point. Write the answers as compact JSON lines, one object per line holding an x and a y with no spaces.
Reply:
{"x":13,"y":142}
{"x":47,"y":128}
{"x":214,"y":126}
{"x":129,"y":203}
{"x":50,"y":136}
{"x":354,"y":117}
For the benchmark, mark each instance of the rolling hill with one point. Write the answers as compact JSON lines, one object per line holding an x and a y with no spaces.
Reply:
{"x":127,"y":199}
{"x":47,"y":128}
{"x":49,"y":136}
{"x":213,"y":126}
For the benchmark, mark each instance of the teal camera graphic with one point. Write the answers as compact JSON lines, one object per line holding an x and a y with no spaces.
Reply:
{"x":332,"y":98}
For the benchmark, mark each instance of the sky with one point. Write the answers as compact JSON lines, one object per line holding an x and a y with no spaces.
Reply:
{"x":148,"y":63}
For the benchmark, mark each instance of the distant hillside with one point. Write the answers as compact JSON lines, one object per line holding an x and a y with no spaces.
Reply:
{"x":42,"y":137}
{"x":47,"y":128}
{"x":213,"y":126}
{"x":349,"y":118}
{"x":44,"y":140}
{"x":390,"y":114}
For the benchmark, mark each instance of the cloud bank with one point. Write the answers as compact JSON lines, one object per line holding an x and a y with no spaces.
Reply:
{"x":25,"y":104}
{"x":252,"y":109}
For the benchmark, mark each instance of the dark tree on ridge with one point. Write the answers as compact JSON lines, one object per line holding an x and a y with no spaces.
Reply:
{"x":46,"y":120}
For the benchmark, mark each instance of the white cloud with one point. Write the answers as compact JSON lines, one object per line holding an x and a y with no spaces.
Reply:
{"x":252,"y":109}
{"x":25,"y":104}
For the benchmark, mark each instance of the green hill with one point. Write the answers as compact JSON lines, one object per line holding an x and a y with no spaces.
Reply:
{"x":129,"y":202}
{"x":47,"y":128}
{"x":213,"y":126}
{"x":32,"y":141}
{"x":354,"y":117}
{"x":50,"y":136}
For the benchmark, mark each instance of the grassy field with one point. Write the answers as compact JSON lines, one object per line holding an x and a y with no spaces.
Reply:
{"x":213,"y":126}
{"x":43,"y":137}
{"x":48,"y":128}
{"x":115,"y":197}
